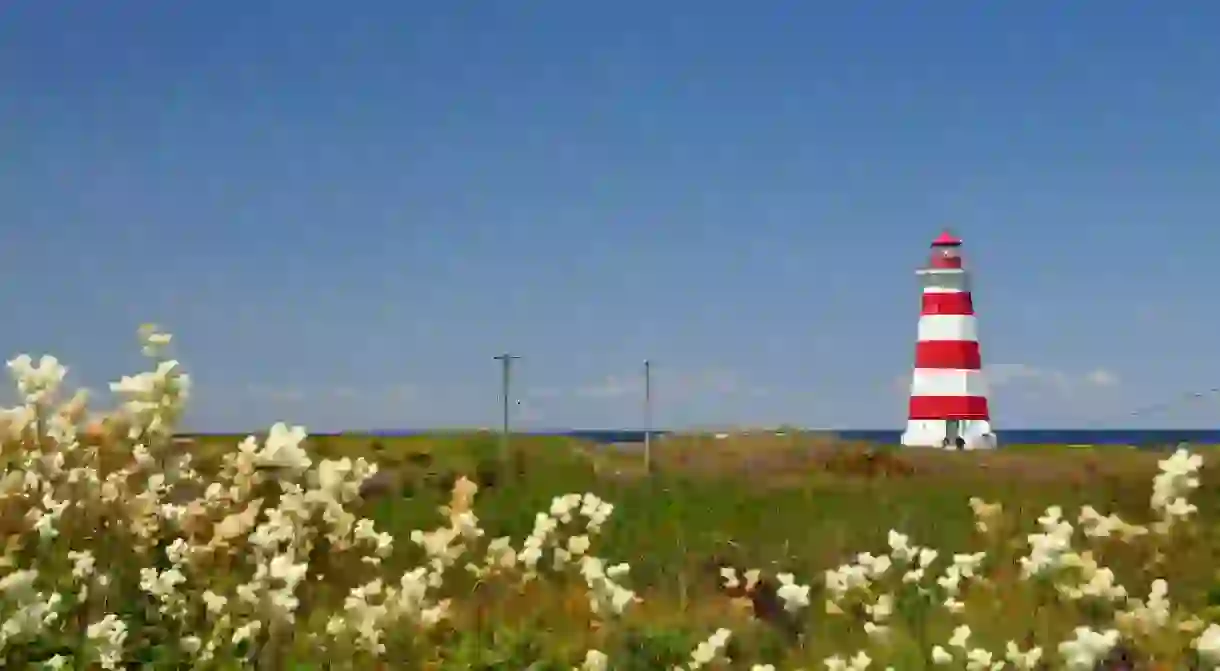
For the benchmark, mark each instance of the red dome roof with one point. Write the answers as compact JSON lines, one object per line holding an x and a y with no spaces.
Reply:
{"x":946,"y":239}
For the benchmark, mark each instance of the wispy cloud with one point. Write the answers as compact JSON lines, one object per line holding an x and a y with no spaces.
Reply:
{"x":297,"y":393}
{"x":282,"y":394}
{"x":403,"y":392}
{"x":612,"y":386}
{"x":1103,"y":378}
{"x":1002,"y":376}
{"x":1008,"y":374}
{"x":527,"y":412}
{"x":673,"y":384}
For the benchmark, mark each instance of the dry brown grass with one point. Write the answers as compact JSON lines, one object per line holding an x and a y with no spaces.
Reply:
{"x":785,"y":460}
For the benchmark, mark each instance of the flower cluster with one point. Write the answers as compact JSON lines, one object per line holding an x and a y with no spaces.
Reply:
{"x":1170,"y":489}
{"x":119,"y":547}
{"x":227,"y":562}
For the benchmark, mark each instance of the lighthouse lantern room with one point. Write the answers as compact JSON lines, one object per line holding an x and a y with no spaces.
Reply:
{"x":948,"y":406}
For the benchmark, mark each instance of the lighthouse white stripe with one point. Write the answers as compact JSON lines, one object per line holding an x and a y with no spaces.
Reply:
{"x":944,"y":280}
{"x":948,"y":327}
{"x":948,"y":382}
{"x":944,"y":290}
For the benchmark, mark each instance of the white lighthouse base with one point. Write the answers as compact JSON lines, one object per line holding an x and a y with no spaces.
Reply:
{"x":976,"y":433}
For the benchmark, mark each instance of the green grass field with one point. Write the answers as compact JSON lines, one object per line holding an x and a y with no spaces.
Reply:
{"x":127,"y":548}
{"x":779,"y":504}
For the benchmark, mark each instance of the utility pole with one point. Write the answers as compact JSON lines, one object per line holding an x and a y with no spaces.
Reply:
{"x":647,"y":416}
{"x":506,"y":364}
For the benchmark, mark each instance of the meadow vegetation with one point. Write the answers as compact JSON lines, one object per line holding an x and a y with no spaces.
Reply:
{"x":128,"y":546}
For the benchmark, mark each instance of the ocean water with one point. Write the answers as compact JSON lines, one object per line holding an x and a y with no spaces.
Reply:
{"x":1148,"y":438}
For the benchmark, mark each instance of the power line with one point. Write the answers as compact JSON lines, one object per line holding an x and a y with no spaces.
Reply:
{"x":1163,"y":405}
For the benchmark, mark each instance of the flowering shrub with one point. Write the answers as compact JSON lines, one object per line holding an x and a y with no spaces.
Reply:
{"x":120,"y":551}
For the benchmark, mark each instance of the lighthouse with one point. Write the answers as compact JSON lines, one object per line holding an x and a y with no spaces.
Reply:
{"x":948,"y":407}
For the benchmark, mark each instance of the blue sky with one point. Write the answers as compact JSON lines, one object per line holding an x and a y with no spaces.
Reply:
{"x":344,"y":210}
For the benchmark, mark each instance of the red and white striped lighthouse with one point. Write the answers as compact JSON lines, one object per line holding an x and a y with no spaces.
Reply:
{"x":948,"y":406}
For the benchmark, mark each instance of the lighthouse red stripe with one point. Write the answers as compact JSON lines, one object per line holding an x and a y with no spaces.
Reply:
{"x":948,"y":354}
{"x":948,"y":407}
{"x":948,"y":303}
